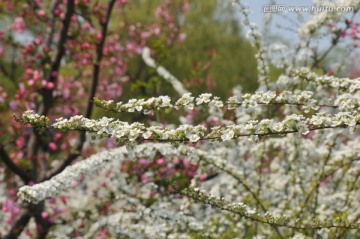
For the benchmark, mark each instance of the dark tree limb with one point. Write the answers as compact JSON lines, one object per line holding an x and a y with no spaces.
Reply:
{"x":18,"y":226}
{"x":94,"y":85}
{"x":12,"y":166}
{"x":55,"y":66}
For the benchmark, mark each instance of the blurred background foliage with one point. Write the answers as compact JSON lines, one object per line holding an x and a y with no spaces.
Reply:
{"x":214,"y":57}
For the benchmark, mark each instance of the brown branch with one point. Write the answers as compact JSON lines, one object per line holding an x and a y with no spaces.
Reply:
{"x":18,"y":226}
{"x":4,"y":71}
{"x":94,"y":85}
{"x":335,"y":41}
{"x":55,"y":66}
{"x":12,"y":166}
{"x":47,"y":94}
{"x":52,"y":24}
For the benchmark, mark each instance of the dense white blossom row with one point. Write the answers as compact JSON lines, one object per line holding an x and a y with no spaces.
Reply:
{"x":66,"y":179}
{"x":350,"y":85}
{"x":109,"y":127}
{"x":71,"y":174}
{"x":305,"y":99}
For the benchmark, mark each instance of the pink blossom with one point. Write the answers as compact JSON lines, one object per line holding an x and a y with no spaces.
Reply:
{"x":52,"y":200}
{"x":160,"y":162}
{"x":41,"y":13}
{"x":145,"y":179}
{"x":10,"y":207}
{"x":49,"y":85}
{"x":98,"y":36}
{"x":52,"y":146}
{"x":20,"y":142}
{"x":44,"y":214}
{"x":202,"y":177}
{"x":57,"y":136}
{"x":144,"y":162}
{"x":18,"y":24}
{"x":13,"y":105}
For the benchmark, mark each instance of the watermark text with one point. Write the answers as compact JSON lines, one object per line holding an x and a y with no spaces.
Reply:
{"x":278,"y":8}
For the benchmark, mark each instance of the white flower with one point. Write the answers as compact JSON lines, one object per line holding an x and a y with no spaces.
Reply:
{"x":203,"y":98}
{"x":194,"y":138}
{"x":147,"y":134}
{"x":228,"y":135}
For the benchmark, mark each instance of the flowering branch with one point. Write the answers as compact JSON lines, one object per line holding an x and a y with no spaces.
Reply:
{"x":350,"y":85}
{"x":64,"y":179}
{"x":124,"y":132}
{"x":244,"y":211}
{"x":304,"y":99}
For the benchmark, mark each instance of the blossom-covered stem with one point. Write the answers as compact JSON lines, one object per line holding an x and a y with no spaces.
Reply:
{"x":318,"y":179}
{"x":350,"y":85}
{"x":262,"y":62}
{"x":251,"y":101}
{"x":244,"y":211}
{"x":316,"y":200}
{"x":287,"y":103}
{"x":12,"y":166}
{"x":123,"y":131}
{"x":225,"y":167}
{"x":324,"y":175}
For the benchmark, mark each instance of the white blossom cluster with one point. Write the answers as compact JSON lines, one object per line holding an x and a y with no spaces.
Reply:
{"x":301,"y":183}
{"x":350,"y":85}
{"x":161,"y":102}
{"x":109,"y":127}
{"x":71,"y":174}
{"x":318,"y":20}
{"x":63,"y":181}
{"x":305,"y":99}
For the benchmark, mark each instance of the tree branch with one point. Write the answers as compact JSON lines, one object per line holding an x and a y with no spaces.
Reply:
{"x":18,"y":226}
{"x":12,"y":166}
{"x":94,"y":85}
{"x":47,"y":94}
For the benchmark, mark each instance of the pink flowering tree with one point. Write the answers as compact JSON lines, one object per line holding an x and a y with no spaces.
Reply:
{"x":56,"y":56}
